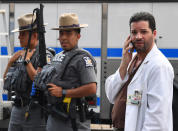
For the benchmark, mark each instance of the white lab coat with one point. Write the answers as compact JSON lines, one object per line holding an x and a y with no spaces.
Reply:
{"x":154,"y":79}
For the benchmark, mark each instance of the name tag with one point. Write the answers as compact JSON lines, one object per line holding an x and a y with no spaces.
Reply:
{"x":135,"y":99}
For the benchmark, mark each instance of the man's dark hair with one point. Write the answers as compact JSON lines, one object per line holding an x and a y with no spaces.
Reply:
{"x":145,"y":16}
{"x":77,"y":30}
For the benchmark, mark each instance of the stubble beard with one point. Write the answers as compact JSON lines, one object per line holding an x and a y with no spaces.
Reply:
{"x":145,"y":48}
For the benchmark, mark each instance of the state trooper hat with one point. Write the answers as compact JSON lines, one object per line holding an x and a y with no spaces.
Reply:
{"x":25,"y":22}
{"x":69,"y":21}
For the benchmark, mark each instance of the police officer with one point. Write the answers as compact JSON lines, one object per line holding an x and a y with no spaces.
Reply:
{"x":25,"y":116}
{"x":74,"y":78}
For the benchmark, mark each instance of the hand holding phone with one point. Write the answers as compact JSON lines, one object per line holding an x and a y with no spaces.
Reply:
{"x":127,"y":50}
{"x":126,"y":57}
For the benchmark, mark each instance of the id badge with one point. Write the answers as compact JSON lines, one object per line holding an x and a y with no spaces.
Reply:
{"x":135,"y":99}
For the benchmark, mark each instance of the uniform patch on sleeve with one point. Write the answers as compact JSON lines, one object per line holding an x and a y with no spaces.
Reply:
{"x":48,"y":58}
{"x":88,"y":62}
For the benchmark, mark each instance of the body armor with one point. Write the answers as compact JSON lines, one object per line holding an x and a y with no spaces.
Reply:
{"x":54,"y":72}
{"x":17,"y":78}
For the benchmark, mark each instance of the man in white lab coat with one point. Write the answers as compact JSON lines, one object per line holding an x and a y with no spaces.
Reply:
{"x":148,"y":104}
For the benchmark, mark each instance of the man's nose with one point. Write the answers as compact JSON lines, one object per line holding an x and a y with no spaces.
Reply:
{"x":63,"y":36}
{"x":138,"y":36}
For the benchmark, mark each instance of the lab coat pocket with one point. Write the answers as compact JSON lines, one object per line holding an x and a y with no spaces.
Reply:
{"x":134,"y":101}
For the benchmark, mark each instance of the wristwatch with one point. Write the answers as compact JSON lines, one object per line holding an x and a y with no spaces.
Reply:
{"x":64,"y":92}
{"x":26,"y":61}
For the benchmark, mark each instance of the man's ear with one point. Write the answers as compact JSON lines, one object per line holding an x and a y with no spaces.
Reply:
{"x":35,"y":35}
{"x":78,"y":36}
{"x":154,"y":33}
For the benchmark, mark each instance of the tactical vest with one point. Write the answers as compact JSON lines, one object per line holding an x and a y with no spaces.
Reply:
{"x":54,"y":72}
{"x":17,"y":78}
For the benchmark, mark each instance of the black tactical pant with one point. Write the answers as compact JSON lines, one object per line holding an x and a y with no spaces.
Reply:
{"x":33,"y":123}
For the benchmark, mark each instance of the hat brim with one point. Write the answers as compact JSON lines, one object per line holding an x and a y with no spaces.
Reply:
{"x":18,"y":30}
{"x":69,"y":28}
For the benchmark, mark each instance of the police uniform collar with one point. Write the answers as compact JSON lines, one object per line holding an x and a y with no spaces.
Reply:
{"x":76,"y":47}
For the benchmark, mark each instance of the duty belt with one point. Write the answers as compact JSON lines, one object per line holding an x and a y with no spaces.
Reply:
{"x":21,"y":102}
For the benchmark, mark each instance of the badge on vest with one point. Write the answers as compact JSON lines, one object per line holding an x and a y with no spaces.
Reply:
{"x":59,"y":57}
{"x":135,"y":99}
{"x":88,"y":62}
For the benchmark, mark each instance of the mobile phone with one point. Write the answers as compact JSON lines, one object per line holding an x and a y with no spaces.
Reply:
{"x":130,"y":44}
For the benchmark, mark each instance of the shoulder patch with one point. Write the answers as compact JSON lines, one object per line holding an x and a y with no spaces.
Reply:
{"x":88,"y":61}
{"x":48,"y":58}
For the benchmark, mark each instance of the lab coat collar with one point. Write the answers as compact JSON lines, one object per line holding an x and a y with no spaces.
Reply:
{"x":152,"y":52}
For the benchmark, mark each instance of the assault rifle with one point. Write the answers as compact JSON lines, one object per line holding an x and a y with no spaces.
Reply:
{"x":39,"y":98}
{"x":41,"y":35}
